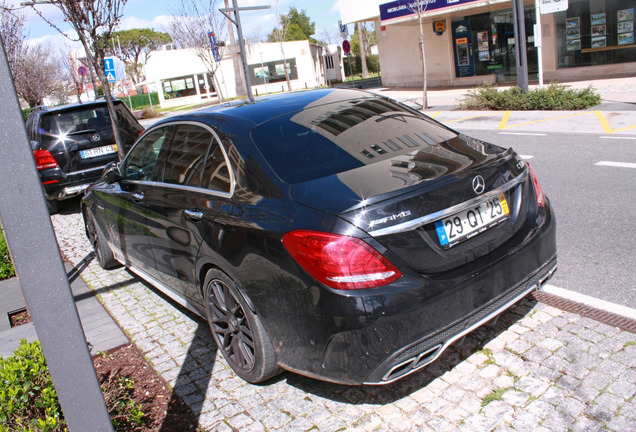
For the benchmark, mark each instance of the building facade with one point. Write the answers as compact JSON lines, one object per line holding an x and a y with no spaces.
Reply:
{"x":183,"y":78}
{"x":469,"y":42}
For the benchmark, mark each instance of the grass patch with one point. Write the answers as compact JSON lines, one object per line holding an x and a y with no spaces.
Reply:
{"x":495,"y":395}
{"x":552,"y":97}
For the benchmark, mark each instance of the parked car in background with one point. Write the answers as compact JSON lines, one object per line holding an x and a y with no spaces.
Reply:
{"x":73,"y":143}
{"x":333,"y":233}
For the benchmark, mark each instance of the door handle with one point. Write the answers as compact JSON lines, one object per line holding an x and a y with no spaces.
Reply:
{"x":138,"y":196}
{"x":193,"y":214}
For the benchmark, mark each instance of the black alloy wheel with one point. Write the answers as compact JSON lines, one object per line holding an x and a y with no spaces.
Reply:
{"x":237,"y":331}
{"x":103,"y":253}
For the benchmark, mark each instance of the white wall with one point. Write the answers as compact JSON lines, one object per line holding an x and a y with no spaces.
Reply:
{"x":359,"y":10}
{"x":310,"y":70}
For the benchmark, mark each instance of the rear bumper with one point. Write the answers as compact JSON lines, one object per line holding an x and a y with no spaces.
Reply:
{"x":59,"y":185}
{"x":381,"y":335}
{"x":417,"y":355}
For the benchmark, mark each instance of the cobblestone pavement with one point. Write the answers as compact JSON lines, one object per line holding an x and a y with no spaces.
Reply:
{"x":537,"y":369}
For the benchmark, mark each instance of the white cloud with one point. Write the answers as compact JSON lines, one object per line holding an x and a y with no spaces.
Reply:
{"x":159,"y":23}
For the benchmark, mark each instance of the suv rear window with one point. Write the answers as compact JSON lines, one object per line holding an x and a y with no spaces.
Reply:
{"x":333,"y":138}
{"x":76,"y":121}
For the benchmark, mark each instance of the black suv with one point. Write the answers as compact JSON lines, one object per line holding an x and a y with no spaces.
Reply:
{"x":73,"y":143}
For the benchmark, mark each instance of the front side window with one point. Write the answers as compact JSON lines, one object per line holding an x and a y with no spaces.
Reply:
{"x":142,"y":162}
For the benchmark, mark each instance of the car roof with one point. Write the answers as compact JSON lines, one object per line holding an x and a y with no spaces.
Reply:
{"x":268,"y":107}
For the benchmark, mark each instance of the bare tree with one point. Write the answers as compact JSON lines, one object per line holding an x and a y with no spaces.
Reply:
{"x":33,"y":68}
{"x":193,"y":20}
{"x":280,"y":35}
{"x":13,"y":36}
{"x":419,"y":8}
{"x":70,"y":65}
{"x":38,"y":77}
{"x":329,"y":37}
{"x":94,"y":23}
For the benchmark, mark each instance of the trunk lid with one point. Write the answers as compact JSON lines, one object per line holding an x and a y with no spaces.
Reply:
{"x":399,"y":200}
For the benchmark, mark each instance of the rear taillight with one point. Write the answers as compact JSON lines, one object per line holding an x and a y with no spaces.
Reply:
{"x":338,"y":261}
{"x":141,"y":132}
{"x":44,"y":159}
{"x":537,"y":187}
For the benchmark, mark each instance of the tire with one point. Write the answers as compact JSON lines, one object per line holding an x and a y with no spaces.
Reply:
{"x":103,"y":253}
{"x":53,"y":206}
{"x":237,"y":331}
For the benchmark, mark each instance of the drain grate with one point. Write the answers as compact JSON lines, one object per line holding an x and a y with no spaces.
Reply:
{"x":605,"y":317}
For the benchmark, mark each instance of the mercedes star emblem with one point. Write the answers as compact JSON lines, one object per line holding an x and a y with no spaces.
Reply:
{"x":479,"y":184}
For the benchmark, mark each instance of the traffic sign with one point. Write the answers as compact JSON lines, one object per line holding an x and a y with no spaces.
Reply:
{"x":109,"y":68}
{"x":215,"y":47}
{"x":344,"y":30}
{"x":346,"y":47}
{"x":82,"y":70}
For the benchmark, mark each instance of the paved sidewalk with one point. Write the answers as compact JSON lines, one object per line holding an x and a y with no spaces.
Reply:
{"x":537,"y":369}
{"x":102,"y":333}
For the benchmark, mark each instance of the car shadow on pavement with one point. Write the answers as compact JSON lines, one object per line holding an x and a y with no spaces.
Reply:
{"x":195,"y":374}
{"x":456,"y":354}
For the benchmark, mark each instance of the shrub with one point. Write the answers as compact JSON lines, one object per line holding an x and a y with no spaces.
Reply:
{"x":28,"y":400}
{"x":6,"y":266}
{"x":552,"y":97}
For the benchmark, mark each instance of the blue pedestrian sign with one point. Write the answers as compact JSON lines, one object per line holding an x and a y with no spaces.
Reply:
{"x":109,"y":68}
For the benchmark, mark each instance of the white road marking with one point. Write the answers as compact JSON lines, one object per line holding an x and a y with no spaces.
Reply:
{"x":526,"y":156}
{"x":616,"y":164}
{"x":618,"y":137}
{"x":591,"y":301}
{"x":522,"y":133}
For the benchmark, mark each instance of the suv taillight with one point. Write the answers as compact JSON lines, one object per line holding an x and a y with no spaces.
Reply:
{"x":44,"y":159}
{"x":537,"y":187}
{"x":338,"y":261}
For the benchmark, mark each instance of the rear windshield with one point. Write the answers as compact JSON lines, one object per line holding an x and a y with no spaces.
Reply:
{"x":334,"y":138}
{"x":89,"y":119}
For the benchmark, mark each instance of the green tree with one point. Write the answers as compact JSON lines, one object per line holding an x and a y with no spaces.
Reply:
{"x":298,"y":26}
{"x":136,"y":44}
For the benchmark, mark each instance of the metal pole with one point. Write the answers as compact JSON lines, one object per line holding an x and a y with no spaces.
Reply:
{"x":36,"y":256}
{"x":538,"y":41}
{"x":520,"y":44}
{"x":239,"y":30}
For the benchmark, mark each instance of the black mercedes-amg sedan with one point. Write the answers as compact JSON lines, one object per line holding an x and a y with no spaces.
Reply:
{"x":333,"y":233}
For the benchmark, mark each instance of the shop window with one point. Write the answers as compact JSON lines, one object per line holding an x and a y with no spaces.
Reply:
{"x":272,"y":72}
{"x":492,"y":40}
{"x":179,"y":87}
{"x":593,"y":32}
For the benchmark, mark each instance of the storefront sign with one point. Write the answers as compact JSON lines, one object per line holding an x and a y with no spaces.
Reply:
{"x":399,"y":10}
{"x":551,"y":6}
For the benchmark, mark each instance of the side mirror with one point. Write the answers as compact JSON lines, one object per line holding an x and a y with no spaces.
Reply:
{"x":112,"y":174}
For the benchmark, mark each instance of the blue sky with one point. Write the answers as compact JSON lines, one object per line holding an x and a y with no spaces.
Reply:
{"x":156,"y":14}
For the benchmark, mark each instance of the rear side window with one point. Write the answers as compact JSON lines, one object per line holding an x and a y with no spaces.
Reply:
{"x":216,"y":176}
{"x":186,"y":157}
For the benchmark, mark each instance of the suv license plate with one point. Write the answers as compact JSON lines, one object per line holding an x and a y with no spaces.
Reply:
{"x":472,"y":221}
{"x":98,"y":151}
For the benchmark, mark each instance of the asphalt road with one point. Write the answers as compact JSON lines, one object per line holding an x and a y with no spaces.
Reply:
{"x":595,"y":207}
